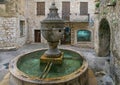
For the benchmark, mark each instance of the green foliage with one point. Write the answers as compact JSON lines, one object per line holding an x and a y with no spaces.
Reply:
{"x":113,"y":2}
{"x":97,"y":4}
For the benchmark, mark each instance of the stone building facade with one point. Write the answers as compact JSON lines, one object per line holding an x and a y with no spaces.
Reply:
{"x":69,"y":10}
{"x":13,"y":30}
{"x":107,"y":34}
{"x":20,"y":21}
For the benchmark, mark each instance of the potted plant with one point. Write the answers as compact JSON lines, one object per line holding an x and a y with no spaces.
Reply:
{"x":97,"y":8}
{"x":97,"y":4}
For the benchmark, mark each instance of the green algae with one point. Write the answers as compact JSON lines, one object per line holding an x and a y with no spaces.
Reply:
{"x":30,"y":64}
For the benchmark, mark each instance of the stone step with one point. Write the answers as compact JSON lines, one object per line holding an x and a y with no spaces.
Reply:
{"x":8,"y":48}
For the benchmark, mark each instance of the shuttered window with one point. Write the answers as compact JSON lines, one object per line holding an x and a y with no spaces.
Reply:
{"x":83,"y":8}
{"x":40,"y":8}
{"x":66,"y":10}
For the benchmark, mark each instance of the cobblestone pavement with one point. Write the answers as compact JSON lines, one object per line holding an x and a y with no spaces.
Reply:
{"x":95,"y":63}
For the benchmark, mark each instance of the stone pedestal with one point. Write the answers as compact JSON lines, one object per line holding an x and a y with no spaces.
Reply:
{"x":45,"y":59}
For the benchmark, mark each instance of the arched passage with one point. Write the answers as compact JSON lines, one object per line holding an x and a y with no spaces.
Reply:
{"x":104,"y":38}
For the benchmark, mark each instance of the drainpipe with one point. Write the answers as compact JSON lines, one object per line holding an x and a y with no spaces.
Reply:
{"x":88,"y":17}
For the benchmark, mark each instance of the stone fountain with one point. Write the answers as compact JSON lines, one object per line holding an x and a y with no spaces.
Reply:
{"x":50,"y":66}
{"x":52,"y":31}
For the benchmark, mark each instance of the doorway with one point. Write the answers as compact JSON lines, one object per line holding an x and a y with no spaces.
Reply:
{"x":104,"y":38}
{"x":37,"y":36}
{"x":66,"y":39}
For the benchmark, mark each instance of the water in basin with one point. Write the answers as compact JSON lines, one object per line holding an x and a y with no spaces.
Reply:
{"x":31,"y":66}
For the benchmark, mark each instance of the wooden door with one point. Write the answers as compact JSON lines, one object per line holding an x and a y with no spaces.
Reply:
{"x":37,"y":36}
{"x":66,"y":10}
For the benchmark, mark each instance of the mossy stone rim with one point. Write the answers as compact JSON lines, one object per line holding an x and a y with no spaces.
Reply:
{"x":21,"y":76}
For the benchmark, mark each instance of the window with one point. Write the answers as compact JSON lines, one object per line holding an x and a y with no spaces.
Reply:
{"x":22,"y":27}
{"x":83,"y":35}
{"x":83,"y":8}
{"x":40,"y":8}
{"x":66,"y":10}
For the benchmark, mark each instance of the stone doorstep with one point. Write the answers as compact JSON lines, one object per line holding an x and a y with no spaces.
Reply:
{"x":8,"y":48}
{"x":92,"y":79}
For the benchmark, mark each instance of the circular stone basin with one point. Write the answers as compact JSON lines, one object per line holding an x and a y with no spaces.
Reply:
{"x":27,"y":69}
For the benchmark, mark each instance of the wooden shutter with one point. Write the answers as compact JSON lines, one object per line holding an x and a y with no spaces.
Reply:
{"x":22,"y":27}
{"x":40,"y":8}
{"x":83,"y":8}
{"x":66,"y":10}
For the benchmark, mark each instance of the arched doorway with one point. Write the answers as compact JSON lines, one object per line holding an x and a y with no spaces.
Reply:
{"x":104,"y":38}
{"x":66,"y":39}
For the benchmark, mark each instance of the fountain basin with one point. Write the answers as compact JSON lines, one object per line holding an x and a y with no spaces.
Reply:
{"x":26,"y":70}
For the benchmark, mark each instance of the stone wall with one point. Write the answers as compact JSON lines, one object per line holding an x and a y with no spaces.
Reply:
{"x":12,"y":8}
{"x":26,"y":10}
{"x":112,"y":15}
{"x":7,"y":32}
{"x":10,"y":33}
{"x":10,"y":15}
{"x":34,"y":20}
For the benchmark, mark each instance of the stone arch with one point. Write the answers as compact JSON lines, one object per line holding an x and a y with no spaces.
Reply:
{"x":104,"y":38}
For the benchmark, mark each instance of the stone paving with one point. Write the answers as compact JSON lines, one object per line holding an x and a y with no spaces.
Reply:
{"x":97,"y":64}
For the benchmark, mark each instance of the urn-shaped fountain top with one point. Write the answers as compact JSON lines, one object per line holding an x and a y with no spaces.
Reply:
{"x":53,"y":15}
{"x":52,"y":30}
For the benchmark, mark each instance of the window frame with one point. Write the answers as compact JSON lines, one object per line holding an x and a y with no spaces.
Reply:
{"x":90,"y":38}
{"x":22,"y":30}
{"x":38,"y":9}
{"x":67,"y":16}
{"x":82,"y":7}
